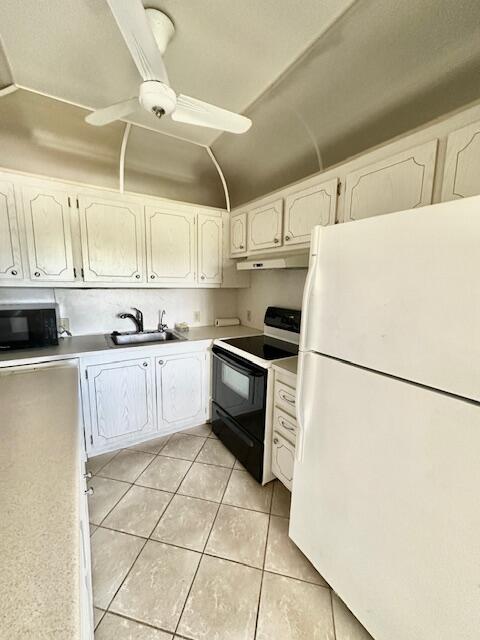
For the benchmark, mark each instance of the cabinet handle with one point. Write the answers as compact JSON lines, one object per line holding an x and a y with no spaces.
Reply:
{"x":37,"y":274}
{"x":14,"y":272}
{"x":145,"y":364}
{"x":160,"y":362}
{"x":242,"y":247}
{"x":137,"y":276}
{"x":287,"y":238}
{"x":285,"y":425}
{"x":152,"y":277}
{"x":284,"y":396}
{"x":275,"y":441}
{"x":276,"y":240}
{"x":202,"y":277}
{"x":89,"y":491}
{"x":87,"y":475}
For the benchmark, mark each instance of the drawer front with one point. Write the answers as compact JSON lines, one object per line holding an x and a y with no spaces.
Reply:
{"x":284,"y":423}
{"x":285,"y":397}
{"x":283,"y":458}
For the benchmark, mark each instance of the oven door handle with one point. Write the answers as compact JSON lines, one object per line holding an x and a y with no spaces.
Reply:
{"x":239,"y":432}
{"x":238,"y":367}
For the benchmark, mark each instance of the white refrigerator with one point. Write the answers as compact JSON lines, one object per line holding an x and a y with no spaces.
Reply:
{"x":386,"y":489}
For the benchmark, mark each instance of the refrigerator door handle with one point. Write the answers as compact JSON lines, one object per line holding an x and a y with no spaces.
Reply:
{"x":307,"y":294}
{"x":300,"y":402}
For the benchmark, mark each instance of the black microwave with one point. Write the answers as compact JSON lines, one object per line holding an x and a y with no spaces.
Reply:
{"x":26,"y":326}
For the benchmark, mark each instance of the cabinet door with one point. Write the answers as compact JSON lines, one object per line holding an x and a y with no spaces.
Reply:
{"x":209,"y":249}
{"x":181,"y":390}
{"x":112,"y":240}
{"x":307,"y":208}
{"x":122,"y":403}
{"x":265,"y":226}
{"x":404,"y":181}
{"x":238,"y":233}
{"x":10,"y":258}
{"x":170,"y":245}
{"x":49,"y":236}
{"x":462,"y":163}
{"x":283,"y":459}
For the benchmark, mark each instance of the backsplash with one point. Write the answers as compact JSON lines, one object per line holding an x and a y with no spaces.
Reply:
{"x":96,"y":310}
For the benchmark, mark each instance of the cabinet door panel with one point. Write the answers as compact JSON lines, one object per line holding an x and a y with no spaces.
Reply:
{"x":209,"y":249}
{"x":10,"y":258}
{"x":121,"y":400}
{"x":265,"y":226}
{"x":238,"y":233}
{"x":170,"y":246}
{"x":112,"y":240}
{"x":461,"y":178}
{"x":181,"y":390}
{"x":308,"y":207}
{"x":404,"y":181}
{"x":283,"y":459}
{"x":49,"y":236}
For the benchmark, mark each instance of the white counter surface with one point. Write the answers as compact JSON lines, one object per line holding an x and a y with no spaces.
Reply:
{"x":79,"y":346}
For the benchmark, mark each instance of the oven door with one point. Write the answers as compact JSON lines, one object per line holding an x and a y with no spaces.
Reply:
{"x":239,"y":389}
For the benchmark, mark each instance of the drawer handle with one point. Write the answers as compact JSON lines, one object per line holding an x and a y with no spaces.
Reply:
{"x":89,"y":491}
{"x":275,"y":441}
{"x":286,"y":397}
{"x":87,"y":475}
{"x":285,"y":424}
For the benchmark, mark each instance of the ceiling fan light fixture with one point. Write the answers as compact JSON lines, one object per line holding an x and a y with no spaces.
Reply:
{"x":157,"y":97}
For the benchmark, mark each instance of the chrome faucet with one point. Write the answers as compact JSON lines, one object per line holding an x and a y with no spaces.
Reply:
{"x":162,"y":326}
{"x":137,"y":319}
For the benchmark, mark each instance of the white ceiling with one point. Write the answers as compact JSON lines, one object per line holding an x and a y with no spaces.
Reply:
{"x":224,"y":51}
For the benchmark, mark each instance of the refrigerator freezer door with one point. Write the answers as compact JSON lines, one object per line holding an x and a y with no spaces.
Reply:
{"x":385,"y":502}
{"x":400,"y":293}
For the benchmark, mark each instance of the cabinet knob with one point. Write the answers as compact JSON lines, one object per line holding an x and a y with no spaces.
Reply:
{"x":276,"y":240}
{"x":202,"y":277}
{"x":275,"y":441}
{"x":287,"y":238}
{"x":160,"y":362}
{"x":37,"y":274}
{"x":87,"y":475}
{"x":14,"y":272}
{"x":89,"y":491}
{"x":152,"y":277}
{"x":242,"y":247}
{"x":137,"y":276}
{"x":145,"y":364}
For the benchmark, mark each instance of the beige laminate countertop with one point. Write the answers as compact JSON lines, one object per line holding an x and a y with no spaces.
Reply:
{"x":79,"y":346}
{"x":39,"y":503}
{"x":287,"y":364}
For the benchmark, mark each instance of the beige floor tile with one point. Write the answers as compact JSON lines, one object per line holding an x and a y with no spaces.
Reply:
{"x":281,"y":500}
{"x":113,"y":554}
{"x":202,"y":430}
{"x":215,"y":452}
{"x":186,"y":522}
{"x":97,"y":462}
{"x":239,"y":465}
{"x":106,"y":495}
{"x":93,"y":528}
{"x":97,"y":616}
{"x":240,"y":535}
{"x":183,"y":446}
{"x":205,"y":481}
{"x":151,"y":446}
{"x":284,"y":557}
{"x":127,"y":465}
{"x":164,"y":473}
{"x":294,"y":610}
{"x":157,"y":586}
{"x":245,"y":491}
{"x":138,"y":511}
{"x":115,"y":627}
{"x":347,"y":627}
{"x":223,"y":602}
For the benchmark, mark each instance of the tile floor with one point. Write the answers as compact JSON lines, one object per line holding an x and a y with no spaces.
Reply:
{"x":185,"y":544}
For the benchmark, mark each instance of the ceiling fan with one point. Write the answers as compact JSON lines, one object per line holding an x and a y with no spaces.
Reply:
{"x":147,"y":33}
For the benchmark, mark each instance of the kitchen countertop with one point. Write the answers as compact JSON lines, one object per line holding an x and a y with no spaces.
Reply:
{"x":287,"y":364}
{"x":79,"y":346}
{"x":39,"y":501}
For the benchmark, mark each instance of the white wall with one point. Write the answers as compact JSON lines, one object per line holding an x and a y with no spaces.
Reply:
{"x":96,"y":310}
{"x":282,"y":287}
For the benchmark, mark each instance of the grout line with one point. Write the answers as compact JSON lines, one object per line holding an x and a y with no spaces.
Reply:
{"x":333,"y":615}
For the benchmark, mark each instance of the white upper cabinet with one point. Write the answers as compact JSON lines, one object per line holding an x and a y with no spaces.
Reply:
{"x":308,"y":207}
{"x":403,"y":181}
{"x":181,"y":390}
{"x":122,"y":401}
{"x":113,"y":241}
{"x":170,"y":245}
{"x":10,"y":257}
{"x":49,"y":235}
{"x":209,"y":249}
{"x":238,"y":233}
{"x":461,"y":177}
{"x":265,"y":226}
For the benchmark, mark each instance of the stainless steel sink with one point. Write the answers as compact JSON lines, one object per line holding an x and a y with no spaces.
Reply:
{"x":133,"y":337}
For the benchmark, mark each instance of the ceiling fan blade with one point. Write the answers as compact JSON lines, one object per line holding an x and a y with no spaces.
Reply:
{"x":111,"y":113}
{"x":135,"y":28}
{"x":193,"y":111}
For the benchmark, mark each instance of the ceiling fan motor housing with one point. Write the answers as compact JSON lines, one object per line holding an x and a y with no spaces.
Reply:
{"x":157,"y":97}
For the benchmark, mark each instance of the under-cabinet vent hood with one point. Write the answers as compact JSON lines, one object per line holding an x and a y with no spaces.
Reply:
{"x":295,"y":261}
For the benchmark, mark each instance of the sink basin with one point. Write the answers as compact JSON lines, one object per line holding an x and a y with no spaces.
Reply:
{"x":132,"y":337}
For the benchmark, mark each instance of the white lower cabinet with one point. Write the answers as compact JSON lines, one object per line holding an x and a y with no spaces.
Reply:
{"x":181,"y":384}
{"x":283,"y":459}
{"x":122,"y":401}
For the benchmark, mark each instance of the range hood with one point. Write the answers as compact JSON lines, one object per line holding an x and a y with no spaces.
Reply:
{"x":286,"y":261}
